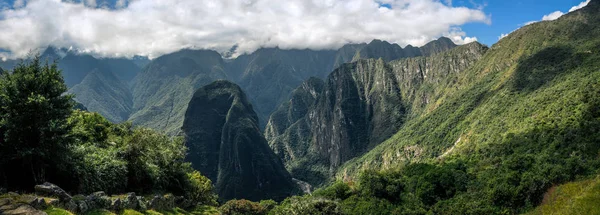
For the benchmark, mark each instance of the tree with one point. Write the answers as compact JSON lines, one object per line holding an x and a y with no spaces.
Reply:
{"x":33,"y":120}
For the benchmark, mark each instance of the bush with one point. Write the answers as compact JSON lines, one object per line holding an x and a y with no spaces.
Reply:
{"x":242,"y":207}
{"x":200,"y":189}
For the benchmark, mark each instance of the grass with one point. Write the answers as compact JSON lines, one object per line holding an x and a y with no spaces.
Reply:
{"x":57,"y":211}
{"x":581,"y":197}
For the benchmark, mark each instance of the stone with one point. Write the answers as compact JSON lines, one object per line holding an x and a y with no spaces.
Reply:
{"x":98,"y":200}
{"x":130,"y":201}
{"x":71,"y":206}
{"x":142,"y":204}
{"x":116,"y":205}
{"x":82,"y":207}
{"x":39,"y":203}
{"x":158,"y":203}
{"x":49,"y":189}
{"x":23,"y":209}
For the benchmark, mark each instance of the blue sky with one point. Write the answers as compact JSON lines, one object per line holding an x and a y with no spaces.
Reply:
{"x":155,"y":27}
{"x":508,"y":15}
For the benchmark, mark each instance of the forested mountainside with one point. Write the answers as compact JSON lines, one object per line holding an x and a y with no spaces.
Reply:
{"x":267,"y":75}
{"x":106,"y":94}
{"x":225,"y":144}
{"x":361,"y":104}
{"x":496,"y":136}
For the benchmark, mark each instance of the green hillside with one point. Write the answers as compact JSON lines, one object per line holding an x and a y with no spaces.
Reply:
{"x":104,"y":93}
{"x":580,"y":197}
{"x":523,"y":118}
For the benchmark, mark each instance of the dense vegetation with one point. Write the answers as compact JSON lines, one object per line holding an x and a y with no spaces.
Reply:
{"x":44,"y":139}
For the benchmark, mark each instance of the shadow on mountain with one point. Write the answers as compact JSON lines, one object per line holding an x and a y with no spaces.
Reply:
{"x":535,"y":71}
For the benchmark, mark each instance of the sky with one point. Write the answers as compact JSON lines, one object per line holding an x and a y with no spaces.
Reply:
{"x":125,"y":28}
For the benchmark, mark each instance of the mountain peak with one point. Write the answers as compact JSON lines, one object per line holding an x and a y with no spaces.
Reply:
{"x":225,"y":143}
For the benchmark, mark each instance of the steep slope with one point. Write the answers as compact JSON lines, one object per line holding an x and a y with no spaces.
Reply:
{"x":579,"y":197}
{"x":76,"y":66}
{"x":352,"y":123}
{"x":346,"y":53}
{"x":269,"y":75}
{"x":423,"y":79}
{"x":104,"y":93}
{"x":122,"y":68}
{"x":225,"y":144}
{"x":326,"y":124}
{"x":519,"y":120}
{"x":162,"y":91}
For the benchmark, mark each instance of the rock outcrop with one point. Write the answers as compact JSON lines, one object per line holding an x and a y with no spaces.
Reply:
{"x":225,"y":144}
{"x":360,"y":105}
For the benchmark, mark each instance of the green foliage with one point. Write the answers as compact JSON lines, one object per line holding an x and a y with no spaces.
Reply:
{"x":33,"y":114}
{"x":200,"y":189}
{"x":338,"y":190}
{"x":242,"y":207}
{"x":580,"y":197}
{"x":298,"y":205}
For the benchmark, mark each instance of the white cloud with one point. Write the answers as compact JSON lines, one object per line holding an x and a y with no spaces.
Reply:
{"x":581,"y":5}
{"x":552,"y":16}
{"x":18,"y":3}
{"x":121,"y":3}
{"x":156,"y":27}
{"x":557,"y":14}
{"x":502,"y":36}
{"x":90,"y":3}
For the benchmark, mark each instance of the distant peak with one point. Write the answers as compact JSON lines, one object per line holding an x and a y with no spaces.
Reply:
{"x":378,"y":41}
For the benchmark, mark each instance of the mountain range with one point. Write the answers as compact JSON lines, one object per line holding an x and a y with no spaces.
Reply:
{"x":516,"y":118}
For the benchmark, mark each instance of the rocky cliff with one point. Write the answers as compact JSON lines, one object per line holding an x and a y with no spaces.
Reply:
{"x":225,"y":144}
{"x":361,"y":104}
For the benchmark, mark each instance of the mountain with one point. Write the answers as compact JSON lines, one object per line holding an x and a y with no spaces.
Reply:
{"x":225,"y":144}
{"x":437,"y":46}
{"x":359,"y":106}
{"x":124,"y":69}
{"x":388,"y":52}
{"x":521,"y":119}
{"x":162,"y":91}
{"x":268,"y":76}
{"x":103,"y":92}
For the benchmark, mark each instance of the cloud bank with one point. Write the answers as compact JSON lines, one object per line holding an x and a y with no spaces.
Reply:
{"x":155,"y":27}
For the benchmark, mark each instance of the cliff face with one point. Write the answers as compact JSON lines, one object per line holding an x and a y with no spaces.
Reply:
{"x":361,"y":104}
{"x":422,"y":79}
{"x":359,"y":107}
{"x":226,"y":145}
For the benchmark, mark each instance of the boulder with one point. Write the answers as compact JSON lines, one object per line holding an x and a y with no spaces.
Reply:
{"x":142,"y":204}
{"x":23,"y":209}
{"x":158,"y":203}
{"x":130,"y":202}
{"x":49,"y":189}
{"x":98,"y":200}
{"x":39,"y":203}
{"x":71,"y":206}
{"x":82,"y":207}
{"x":116,"y":205}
